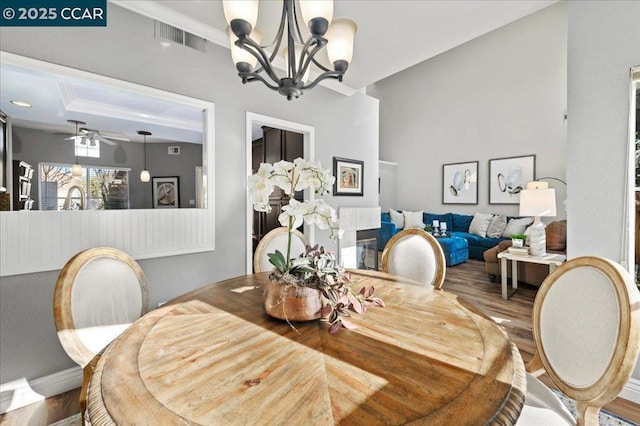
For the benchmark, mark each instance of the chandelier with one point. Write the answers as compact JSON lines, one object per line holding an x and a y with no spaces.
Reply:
{"x":336,"y":34}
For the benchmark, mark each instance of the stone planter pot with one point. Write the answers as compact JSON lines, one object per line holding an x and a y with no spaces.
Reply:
{"x":291,"y":303}
{"x":517,"y":243}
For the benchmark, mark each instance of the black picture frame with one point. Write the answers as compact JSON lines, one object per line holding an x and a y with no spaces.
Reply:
{"x":349,"y":176}
{"x":166,"y":192}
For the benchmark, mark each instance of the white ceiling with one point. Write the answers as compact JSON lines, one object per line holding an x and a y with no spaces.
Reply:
{"x":392,"y":35}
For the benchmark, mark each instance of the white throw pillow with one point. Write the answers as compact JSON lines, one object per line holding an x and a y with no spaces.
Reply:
{"x":480,"y":224}
{"x":497,"y":226}
{"x":517,"y":226}
{"x":396,"y":218}
{"x":413,"y":220}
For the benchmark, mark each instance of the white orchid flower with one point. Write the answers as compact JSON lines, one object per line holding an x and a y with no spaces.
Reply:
{"x":282,"y":174}
{"x":296,"y":210}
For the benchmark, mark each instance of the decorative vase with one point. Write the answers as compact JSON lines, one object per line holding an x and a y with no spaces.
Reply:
{"x":292,"y":303}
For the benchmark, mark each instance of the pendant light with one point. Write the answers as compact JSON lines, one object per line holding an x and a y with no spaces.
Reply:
{"x":145,"y":176}
{"x":76,"y":169}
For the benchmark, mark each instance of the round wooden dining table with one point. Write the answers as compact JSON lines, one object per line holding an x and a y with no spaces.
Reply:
{"x":213,"y":357}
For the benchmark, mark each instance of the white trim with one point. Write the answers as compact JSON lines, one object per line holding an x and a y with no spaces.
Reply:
{"x":631,"y":391}
{"x":37,"y":241}
{"x":309,"y":154}
{"x":19,"y":393}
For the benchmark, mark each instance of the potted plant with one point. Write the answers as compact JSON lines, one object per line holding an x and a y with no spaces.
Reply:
{"x":314,"y":278}
{"x":517,"y":240}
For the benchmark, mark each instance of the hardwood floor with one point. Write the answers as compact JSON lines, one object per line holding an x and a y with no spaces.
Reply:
{"x":468,"y":280}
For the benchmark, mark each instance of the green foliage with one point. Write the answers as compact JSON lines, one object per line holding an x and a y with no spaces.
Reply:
{"x":518,"y":237}
{"x":277,"y":260}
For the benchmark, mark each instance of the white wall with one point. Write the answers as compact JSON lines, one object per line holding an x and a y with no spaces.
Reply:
{"x":500,"y":95}
{"x":604,"y":43}
{"x":125,"y":49}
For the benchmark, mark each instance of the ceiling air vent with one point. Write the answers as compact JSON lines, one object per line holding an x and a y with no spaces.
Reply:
{"x":178,"y":36}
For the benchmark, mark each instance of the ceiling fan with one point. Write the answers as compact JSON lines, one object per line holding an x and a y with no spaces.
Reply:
{"x":90,"y":136}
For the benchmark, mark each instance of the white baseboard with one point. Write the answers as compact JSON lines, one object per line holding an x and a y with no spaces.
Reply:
{"x":631,"y":391}
{"x":19,"y":393}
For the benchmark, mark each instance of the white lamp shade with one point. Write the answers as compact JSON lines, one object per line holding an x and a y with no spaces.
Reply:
{"x":241,"y":9}
{"x":538,"y":202}
{"x":240,"y":55}
{"x":340,"y":36}
{"x":145,"y":176}
{"x":316,"y":9}
{"x":76,"y":170}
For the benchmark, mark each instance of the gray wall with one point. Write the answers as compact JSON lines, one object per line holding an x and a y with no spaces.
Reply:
{"x":604,"y":43}
{"x":36,"y":146}
{"x":388,"y":186}
{"x":500,"y":95}
{"x":125,"y":49}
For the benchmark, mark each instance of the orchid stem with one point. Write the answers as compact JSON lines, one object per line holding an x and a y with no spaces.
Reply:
{"x":291,"y":195}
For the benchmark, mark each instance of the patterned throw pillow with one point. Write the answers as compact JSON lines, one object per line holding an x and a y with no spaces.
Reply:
{"x":517,"y":226}
{"x":497,"y":226}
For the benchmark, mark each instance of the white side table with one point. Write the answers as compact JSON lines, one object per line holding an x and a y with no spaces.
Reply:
{"x":553,"y":260}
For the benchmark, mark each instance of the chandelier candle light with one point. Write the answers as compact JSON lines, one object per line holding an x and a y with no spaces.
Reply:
{"x":315,"y":269}
{"x":537,"y":200}
{"x":337,"y":34}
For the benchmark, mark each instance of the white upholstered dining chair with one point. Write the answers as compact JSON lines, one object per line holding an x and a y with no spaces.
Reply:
{"x":98,"y":294}
{"x":586,"y":325}
{"x":276,"y":239}
{"x":417,"y":255}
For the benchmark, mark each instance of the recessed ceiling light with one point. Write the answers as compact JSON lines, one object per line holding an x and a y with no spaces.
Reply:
{"x":21,"y":104}
{"x":165,"y":44}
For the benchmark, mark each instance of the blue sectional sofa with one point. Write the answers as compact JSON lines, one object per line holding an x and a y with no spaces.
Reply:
{"x":457,"y":223}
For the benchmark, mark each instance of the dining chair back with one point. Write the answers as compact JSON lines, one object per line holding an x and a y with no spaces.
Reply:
{"x":415,"y":254}
{"x":276,"y":239}
{"x":586,"y":326}
{"x":98,"y":294}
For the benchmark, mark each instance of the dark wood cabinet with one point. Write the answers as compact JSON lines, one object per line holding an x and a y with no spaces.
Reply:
{"x":275,"y":145}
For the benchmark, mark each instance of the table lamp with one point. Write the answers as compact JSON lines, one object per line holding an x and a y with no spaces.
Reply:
{"x":537,"y":201}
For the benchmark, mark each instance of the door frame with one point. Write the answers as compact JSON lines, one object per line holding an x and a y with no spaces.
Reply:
{"x":308,"y":133}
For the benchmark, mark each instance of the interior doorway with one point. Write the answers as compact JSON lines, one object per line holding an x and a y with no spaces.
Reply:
{"x":284,"y":139}
{"x":270,"y":145}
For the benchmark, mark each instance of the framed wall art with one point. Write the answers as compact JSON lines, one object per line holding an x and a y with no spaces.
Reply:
{"x":349,"y":176}
{"x":460,"y":183}
{"x":509,"y":176}
{"x":166,"y":192}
